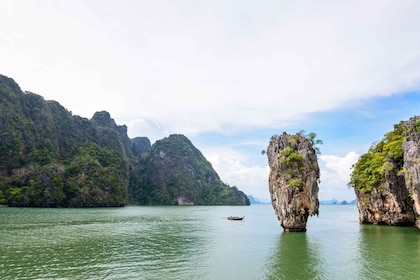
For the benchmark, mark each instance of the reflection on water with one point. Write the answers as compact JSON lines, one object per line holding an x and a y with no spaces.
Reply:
{"x":389,"y":252}
{"x":200,"y":243}
{"x":92,"y":244}
{"x":296,"y":258}
{"x":337,"y":247}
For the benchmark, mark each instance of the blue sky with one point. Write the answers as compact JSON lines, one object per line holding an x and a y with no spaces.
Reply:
{"x":227,"y":74}
{"x":347,"y":132}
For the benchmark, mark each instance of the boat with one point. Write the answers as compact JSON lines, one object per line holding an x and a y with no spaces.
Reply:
{"x":236,"y":218}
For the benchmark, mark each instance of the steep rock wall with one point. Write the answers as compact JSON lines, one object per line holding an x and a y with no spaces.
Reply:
{"x":411,"y":147}
{"x":386,"y":179}
{"x":388,"y":203}
{"x":293,"y":180}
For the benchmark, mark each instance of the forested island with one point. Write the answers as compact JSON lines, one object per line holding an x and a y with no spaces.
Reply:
{"x":386,"y":179}
{"x":52,"y":158}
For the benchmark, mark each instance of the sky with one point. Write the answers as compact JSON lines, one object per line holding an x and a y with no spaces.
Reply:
{"x":226,"y":74}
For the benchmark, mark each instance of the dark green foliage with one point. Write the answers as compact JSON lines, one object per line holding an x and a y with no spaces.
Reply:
{"x":140,"y":145}
{"x":292,"y":161}
{"x":174,"y":168}
{"x":371,"y":168}
{"x":50,"y":158}
{"x":291,"y":158}
{"x":96,"y":177}
{"x":45,"y":152}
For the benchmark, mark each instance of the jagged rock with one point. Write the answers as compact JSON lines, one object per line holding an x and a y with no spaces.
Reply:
{"x":52,"y":158}
{"x":140,"y":145}
{"x":293,"y":181}
{"x":111,"y":134}
{"x":411,"y":147}
{"x":389,"y":203}
{"x":103,"y":118}
{"x":174,"y":172}
{"x":386,"y":179}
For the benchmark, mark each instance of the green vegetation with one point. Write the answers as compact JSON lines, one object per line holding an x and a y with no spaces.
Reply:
{"x":50,"y":158}
{"x":96,"y":177}
{"x":175,"y":168}
{"x":311,"y":136}
{"x":292,"y":162}
{"x":291,"y":158}
{"x":294,"y":183}
{"x":415,"y":127}
{"x":382,"y":158}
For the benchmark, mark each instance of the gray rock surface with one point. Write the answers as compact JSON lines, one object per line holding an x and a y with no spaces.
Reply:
{"x":293,"y":180}
{"x":411,"y":147}
{"x":389,"y":203}
{"x":395,"y":200}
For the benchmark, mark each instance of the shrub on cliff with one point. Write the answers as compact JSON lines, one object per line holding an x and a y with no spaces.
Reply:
{"x":371,"y":168}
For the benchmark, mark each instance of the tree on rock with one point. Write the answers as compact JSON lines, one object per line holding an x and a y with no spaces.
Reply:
{"x":293,"y":181}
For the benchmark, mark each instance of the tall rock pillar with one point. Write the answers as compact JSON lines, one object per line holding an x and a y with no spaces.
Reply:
{"x":293,"y":181}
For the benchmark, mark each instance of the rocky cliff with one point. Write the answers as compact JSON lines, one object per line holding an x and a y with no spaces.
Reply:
{"x":411,"y":168}
{"x":51,"y":158}
{"x":386,"y":179}
{"x":174,"y":172}
{"x":293,"y":180}
{"x":388,"y":203}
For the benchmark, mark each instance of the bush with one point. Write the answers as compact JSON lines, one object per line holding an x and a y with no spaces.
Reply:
{"x":371,"y":168}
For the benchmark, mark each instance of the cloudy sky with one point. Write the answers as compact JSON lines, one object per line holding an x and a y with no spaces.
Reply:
{"x":227,"y":74}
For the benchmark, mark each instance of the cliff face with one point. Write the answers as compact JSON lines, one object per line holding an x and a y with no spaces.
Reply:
{"x":388,"y":203}
{"x":411,"y":147}
{"x":174,"y":172}
{"x":293,"y":180}
{"x":51,"y":158}
{"x":386,"y":180}
{"x":140,"y":145}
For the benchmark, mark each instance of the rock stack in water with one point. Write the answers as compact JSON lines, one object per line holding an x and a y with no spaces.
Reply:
{"x":293,"y":181}
{"x":386,"y":180}
{"x":389,"y":202}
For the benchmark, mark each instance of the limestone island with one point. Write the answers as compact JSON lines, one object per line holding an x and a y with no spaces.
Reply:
{"x":293,"y":180}
{"x":386,"y":179}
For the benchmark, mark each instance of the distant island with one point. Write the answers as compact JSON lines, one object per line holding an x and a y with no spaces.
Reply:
{"x":337,"y":202}
{"x":52,"y":158}
{"x":254,"y":200}
{"x":333,"y":201}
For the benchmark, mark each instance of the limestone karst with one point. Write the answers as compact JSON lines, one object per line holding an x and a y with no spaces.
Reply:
{"x":293,"y":180}
{"x":386,"y":179}
{"x":52,"y":158}
{"x":411,"y":148}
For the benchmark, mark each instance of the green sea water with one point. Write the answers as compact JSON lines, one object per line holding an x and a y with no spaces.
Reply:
{"x":200,"y":243}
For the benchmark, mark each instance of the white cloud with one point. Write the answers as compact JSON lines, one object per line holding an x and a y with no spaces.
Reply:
{"x":229,"y":164}
{"x":189,"y":67}
{"x":232,"y":169}
{"x":220,"y":66}
{"x":143,"y":127}
{"x":335,"y":174}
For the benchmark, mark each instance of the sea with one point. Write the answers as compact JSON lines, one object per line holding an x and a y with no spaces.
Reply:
{"x":199,"y":242}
